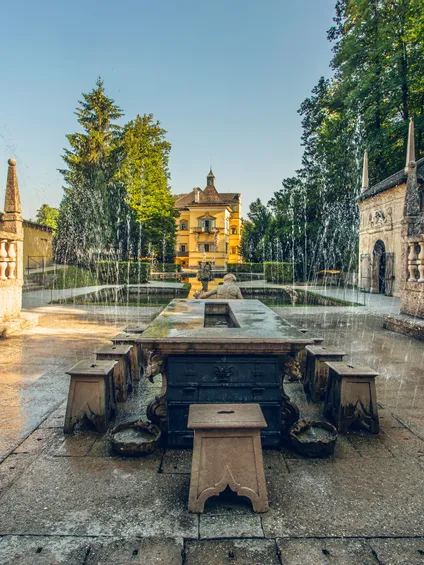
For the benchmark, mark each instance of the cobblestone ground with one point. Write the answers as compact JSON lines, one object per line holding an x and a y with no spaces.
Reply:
{"x":69,"y":500}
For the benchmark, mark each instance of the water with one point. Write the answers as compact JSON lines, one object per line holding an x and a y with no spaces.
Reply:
{"x":134,"y":435}
{"x":315,"y":433}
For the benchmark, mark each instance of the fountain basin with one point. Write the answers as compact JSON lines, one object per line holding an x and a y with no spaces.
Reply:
{"x":135,"y":438}
{"x":313,"y":439}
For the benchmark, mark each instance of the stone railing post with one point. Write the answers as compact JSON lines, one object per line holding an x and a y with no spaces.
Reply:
{"x":421,"y":261}
{"x":11,"y":254}
{"x":3,"y":257}
{"x":412,"y":258}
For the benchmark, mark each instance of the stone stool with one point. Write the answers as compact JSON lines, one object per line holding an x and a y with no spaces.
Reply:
{"x":91,"y":394}
{"x":135,"y":353}
{"x":136,"y":328}
{"x":122,"y":371}
{"x":351,"y":397}
{"x":316,"y":369}
{"x":227,"y":452}
{"x":301,"y":356}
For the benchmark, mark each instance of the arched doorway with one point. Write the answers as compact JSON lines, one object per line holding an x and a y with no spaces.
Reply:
{"x":379,"y":267}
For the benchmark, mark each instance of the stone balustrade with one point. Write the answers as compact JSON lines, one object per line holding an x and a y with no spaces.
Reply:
{"x":416,"y":261}
{"x":7,"y":259}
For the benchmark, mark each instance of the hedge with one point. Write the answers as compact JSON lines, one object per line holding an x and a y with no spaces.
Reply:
{"x":167,"y":268}
{"x":245,"y":268}
{"x":277,"y":272}
{"x":123,"y":272}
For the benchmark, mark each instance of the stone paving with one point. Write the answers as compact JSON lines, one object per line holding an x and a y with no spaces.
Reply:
{"x":69,"y":500}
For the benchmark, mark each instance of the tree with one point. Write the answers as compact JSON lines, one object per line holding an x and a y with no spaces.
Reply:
{"x":117,"y":201}
{"x":87,"y":214}
{"x":377,"y":85}
{"x":143,"y":174}
{"x":255,"y":238}
{"x":47,"y":216}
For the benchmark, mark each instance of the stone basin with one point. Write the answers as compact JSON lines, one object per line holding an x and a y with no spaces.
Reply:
{"x":220,"y":351}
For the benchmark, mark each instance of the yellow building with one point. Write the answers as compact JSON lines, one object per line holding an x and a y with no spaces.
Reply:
{"x":208,"y":227}
{"x":38,"y":246}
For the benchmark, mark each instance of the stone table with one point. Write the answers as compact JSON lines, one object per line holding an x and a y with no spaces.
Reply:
{"x":216,"y":351}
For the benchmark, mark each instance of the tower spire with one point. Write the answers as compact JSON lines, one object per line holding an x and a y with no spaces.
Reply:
{"x":410,"y":152}
{"x":411,"y":207}
{"x":365,"y":181}
{"x":210,"y":179}
{"x":12,"y":201}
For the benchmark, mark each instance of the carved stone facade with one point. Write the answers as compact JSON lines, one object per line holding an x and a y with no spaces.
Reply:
{"x":391,"y":234}
{"x":380,"y":241}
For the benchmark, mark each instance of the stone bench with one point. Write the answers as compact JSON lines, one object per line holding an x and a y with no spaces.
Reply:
{"x":122,"y":371}
{"x":91,"y":394}
{"x":316,"y":369}
{"x":135,"y":353}
{"x":227,"y":451}
{"x":351,"y":397}
{"x":301,"y":356}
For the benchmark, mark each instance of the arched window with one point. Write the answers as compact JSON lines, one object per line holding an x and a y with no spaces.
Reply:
{"x":233,"y":231}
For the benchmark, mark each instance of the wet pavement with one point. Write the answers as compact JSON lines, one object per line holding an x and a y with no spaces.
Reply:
{"x":70,"y":500}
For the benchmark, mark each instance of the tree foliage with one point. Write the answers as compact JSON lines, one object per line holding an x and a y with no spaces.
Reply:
{"x":378,"y":84}
{"x":144,"y":174}
{"x":117,"y":202}
{"x":47,"y":216}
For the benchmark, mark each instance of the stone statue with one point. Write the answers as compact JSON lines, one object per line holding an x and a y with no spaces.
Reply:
{"x":227,"y":291}
{"x":204,"y":275}
{"x":293,"y":294}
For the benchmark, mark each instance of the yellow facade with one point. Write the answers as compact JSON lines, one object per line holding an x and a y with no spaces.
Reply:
{"x":38,"y":245}
{"x":209,"y":227}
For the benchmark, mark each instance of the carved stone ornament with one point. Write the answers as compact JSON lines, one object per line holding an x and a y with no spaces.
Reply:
{"x":223,"y":372}
{"x":157,"y":411}
{"x":380,"y":218}
{"x":153,"y":365}
{"x":289,"y":411}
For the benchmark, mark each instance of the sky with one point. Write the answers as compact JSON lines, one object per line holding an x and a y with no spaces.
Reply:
{"x":224,"y":77}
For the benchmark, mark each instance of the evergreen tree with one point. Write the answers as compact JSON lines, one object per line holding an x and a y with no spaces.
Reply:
{"x":87,"y":213}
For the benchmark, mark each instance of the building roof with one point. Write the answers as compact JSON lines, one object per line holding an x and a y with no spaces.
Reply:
{"x":207,"y":196}
{"x":36,"y":226}
{"x":394,"y":180}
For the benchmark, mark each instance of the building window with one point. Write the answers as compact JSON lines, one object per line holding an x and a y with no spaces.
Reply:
{"x":207,"y":224}
{"x":206,"y":248}
{"x":234,"y":250}
{"x":183,"y":248}
{"x":234,"y":208}
{"x":183,"y":226}
{"x":226,"y":248}
{"x":233,"y":231}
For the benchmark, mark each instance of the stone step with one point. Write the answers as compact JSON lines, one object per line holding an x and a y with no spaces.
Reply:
{"x":16,"y":325}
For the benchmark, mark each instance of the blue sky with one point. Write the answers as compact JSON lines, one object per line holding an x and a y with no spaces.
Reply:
{"x":225,"y":78}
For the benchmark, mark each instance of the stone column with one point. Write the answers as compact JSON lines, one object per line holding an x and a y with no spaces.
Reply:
{"x":412,"y":258}
{"x":11,"y":249}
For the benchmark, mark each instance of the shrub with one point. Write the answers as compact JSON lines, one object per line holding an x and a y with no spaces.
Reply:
{"x":245,"y":268}
{"x":123,"y":272}
{"x":277,"y":272}
{"x":167,"y":268}
{"x":69,"y":277}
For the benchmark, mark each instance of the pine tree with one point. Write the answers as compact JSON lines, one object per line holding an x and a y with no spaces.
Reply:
{"x":87,"y":213}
